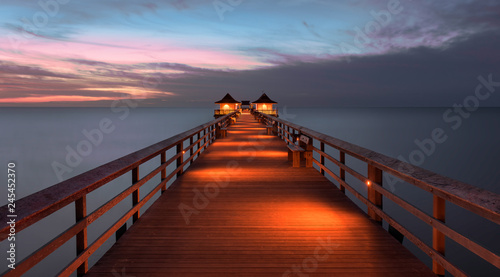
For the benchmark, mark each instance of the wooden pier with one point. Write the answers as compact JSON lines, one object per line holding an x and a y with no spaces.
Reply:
{"x":265,"y":218}
{"x":240,"y":207}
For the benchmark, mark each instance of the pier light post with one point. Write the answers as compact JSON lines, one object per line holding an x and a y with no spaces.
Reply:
{"x":374,"y":176}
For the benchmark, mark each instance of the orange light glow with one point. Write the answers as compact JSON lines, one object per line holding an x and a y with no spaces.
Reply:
{"x":242,"y":132}
{"x":368,"y":183}
{"x":226,"y":107}
{"x":249,"y":151}
{"x":261,"y":137}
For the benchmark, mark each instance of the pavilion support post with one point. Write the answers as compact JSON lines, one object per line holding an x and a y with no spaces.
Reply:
{"x":81,"y":237}
{"x":438,"y":238}
{"x":374,"y":176}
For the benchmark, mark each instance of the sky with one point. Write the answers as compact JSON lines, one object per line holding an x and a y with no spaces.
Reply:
{"x":355,"y":53}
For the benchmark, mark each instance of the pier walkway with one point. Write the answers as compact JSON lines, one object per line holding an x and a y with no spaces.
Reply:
{"x":241,"y":209}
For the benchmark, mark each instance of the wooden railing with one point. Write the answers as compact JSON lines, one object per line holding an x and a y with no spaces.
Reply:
{"x":269,"y":112}
{"x":225,"y":111}
{"x":484,"y":203}
{"x":39,"y":205}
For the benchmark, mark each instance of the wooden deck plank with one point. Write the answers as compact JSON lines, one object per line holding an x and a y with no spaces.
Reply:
{"x":264,"y":218}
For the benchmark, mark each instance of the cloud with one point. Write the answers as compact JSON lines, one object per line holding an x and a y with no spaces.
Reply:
{"x":429,"y":54}
{"x":421,"y":76}
{"x":16,"y":69}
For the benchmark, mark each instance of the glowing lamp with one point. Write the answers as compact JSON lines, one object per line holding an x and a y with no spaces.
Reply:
{"x":368,"y":183}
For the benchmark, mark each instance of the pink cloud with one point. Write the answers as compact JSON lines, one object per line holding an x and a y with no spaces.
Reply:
{"x":55,"y":98}
{"x":129,"y":51}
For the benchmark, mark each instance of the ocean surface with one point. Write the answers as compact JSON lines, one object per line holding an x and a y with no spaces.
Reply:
{"x":36,"y":139}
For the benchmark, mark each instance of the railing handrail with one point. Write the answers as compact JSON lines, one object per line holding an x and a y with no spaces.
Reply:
{"x":482,"y":202}
{"x":39,"y":205}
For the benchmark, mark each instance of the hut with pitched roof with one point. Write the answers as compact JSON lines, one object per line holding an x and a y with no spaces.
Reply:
{"x":265,"y":105}
{"x":227,"y":105}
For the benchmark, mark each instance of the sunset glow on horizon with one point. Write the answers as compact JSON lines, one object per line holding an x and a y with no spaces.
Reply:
{"x":64,"y":51}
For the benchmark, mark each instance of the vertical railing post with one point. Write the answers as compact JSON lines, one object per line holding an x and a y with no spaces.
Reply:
{"x":81,"y":237}
{"x":180,"y":160}
{"x":342,"y":171}
{"x":211,"y":129}
{"x":374,"y":176}
{"x":163,"y":171}
{"x":191,"y":150}
{"x":199,"y":144}
{"x":214,"y":133}
{"x":205,"y":138}
{"x":438,"y":238}
{"x":214,"y":137}
{"x":321,"y":157}
{"x":210,"y":135}
{"x":135,"y":194}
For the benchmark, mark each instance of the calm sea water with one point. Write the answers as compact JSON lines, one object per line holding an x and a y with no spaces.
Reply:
{"x":37,"y":138}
